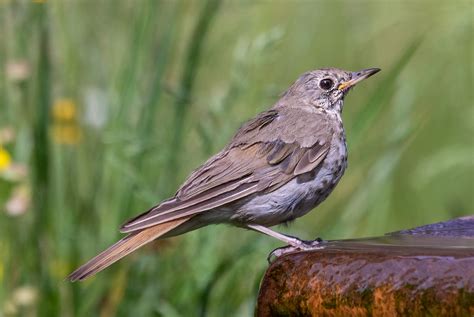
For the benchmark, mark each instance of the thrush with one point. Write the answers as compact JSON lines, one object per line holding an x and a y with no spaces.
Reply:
{"x":277,"y":167}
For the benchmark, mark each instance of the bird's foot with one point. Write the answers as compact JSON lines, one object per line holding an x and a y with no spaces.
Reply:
{"x":300,"y":245}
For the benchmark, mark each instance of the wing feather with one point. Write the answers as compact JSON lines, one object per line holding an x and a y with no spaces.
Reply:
{"x":311,"y":158}
{"x":251,"y":163}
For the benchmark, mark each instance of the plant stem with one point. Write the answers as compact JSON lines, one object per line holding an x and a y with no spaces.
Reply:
{"x":188,"y":77}
{"x":41,"y":161}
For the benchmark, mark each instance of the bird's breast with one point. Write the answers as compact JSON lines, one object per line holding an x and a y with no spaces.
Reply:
{"x":298,"y":196}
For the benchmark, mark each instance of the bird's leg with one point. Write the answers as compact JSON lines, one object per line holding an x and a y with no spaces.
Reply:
{"x":294,"y":244}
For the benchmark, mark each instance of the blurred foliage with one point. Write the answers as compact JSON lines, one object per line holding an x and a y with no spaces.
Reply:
{"x":106,"y":106}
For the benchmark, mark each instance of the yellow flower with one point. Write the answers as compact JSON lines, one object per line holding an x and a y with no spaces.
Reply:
{"x":65,"y":128}
{"x":66,"y":133}
{"x":64,"y":110}
{"x":5,"y":159}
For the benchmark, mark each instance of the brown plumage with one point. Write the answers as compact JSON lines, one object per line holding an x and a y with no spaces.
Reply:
{"x":261,"y":157}
{"x":277,"y":167}
{"x":122,"y":248}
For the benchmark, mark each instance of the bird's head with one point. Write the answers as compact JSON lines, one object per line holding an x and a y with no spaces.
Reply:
{"x":326,"y":88}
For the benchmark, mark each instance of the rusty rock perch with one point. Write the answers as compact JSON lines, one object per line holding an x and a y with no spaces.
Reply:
{"x":426,"y":271}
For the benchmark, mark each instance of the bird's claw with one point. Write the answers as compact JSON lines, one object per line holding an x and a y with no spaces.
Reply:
{"x":303,"y":245}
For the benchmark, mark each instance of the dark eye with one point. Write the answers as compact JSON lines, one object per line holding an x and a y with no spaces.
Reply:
{"x":326,"y":83}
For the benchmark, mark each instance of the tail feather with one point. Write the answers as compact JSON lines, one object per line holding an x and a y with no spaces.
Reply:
{"x":122,"y":248}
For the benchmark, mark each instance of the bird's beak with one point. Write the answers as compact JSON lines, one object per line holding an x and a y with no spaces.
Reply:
{"x":357,"y":77}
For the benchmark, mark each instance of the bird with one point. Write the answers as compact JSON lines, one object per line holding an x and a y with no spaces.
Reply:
{"x":277,"y":167}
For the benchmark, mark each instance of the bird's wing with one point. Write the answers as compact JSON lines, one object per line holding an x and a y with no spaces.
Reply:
{"x":264,"y":155}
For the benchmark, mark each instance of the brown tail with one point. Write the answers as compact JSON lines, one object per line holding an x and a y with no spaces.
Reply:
{"x":121,"y":248}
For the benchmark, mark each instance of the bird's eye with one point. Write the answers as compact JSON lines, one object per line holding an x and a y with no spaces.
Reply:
{"x":326,"y":83}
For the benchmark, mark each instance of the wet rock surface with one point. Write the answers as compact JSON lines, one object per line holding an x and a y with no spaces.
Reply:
{"x":426,"y":271}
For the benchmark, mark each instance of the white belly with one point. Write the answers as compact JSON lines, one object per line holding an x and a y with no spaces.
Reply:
{"x":292,"y":200}
{"x":288,"y":202}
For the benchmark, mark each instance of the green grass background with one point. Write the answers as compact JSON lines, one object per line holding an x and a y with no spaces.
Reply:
{"x":172,"y":81}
